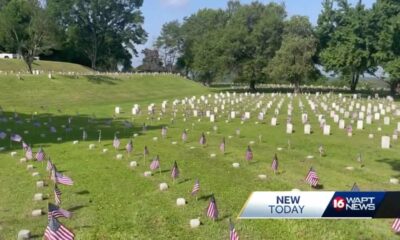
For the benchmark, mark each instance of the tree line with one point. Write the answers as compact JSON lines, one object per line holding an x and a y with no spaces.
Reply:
{"x":243,"y":43}
{"x":101,"y":34}
{"x":258,"y":43}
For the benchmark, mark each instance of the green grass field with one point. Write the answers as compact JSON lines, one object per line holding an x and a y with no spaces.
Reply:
{"x":110,"y":200}
{"x":18,"y":65}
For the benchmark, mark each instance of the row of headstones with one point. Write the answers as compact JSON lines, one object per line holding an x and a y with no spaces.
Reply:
{"x":24,"y":233}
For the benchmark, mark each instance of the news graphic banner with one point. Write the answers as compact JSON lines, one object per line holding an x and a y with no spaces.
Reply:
{"x":366,"y":205}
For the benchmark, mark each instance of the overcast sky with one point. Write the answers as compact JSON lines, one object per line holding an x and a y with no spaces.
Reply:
{"x":157,"y":12}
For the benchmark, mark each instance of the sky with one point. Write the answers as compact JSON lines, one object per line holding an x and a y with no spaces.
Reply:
{"x":158,"y":12}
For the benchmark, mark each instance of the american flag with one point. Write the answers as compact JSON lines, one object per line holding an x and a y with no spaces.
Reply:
{"x":355,"y":188}
{"x":196,"y":187}
{"x":249,"y":154}
{"x":349,"y":129}
{"x":146,"y":151}
{"x":3,"y":135}
{"x":15,"y":138}
{"x":49,"y":166}
{"x":396,"y":225}
{"x":312,"y":177}
{"x":56,"y":231}
{"x":24,"y":146}
{"x":129,"y":146}
{"x":222,"y":145}
{"x":212,"y":211}
{"x":155,"y":164}
{"x":175,"y":171}
{"x":116,"y":142}
{"x":233,"y":235}
{"x":56,"y":212}
{"x":184,"y":136}
{"x":57,"y":195}
{"x":203,"y":139}
{"x":29,"y":154}
{"x":275,"y":163}
{"x":40,"y":155}
{"x":60,"y":178}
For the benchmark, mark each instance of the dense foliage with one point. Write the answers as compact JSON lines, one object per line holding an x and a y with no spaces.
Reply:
{"x":243,"y":43}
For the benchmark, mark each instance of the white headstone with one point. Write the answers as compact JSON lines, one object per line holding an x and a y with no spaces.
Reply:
{"x":37,"y":213}
{"x":377,"y":116}
{"x":236,"y":165}
{"x":289,"y":128}
{"x":386,"y":120}
{"x":385,"y":143}
{"x":233,"y":114}
{"x":212,"y":118}
{"x":341,"y":124}
{"x":24,"y":234}
{"x":117,"y":110}
{"x":180,"y":202}
{"x":39,"y":184}
{"x":360,"y":124}
{"x":133,"y":164}
{"x":194,"y":223}
{"x":307,"y":129}
{"x":38,"y":197}
{"x":327,"y":130}
{"x":273,"y":121}
{"x":163,"y":186}
{"x":368,"y":120}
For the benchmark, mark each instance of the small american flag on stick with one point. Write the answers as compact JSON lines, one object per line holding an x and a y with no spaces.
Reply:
{"x":312,"y":177}
{"x":249,"y":154}
{"x":196,"y":187}
{"x":56,"y":231}
{"x":212,"y":210}
{"x":56,"y":212}
{"x":233,"y":235}
{"x":275,"y":163}
{"x":175,"y":171}
{"x":57,"y":195}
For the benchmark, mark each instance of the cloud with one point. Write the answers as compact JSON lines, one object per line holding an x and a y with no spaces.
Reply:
{"x":175,"y":3}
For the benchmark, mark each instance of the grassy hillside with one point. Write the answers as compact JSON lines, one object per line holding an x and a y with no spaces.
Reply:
{"x":32,"y":92}
{"x":17,"y":65}
{"x":110,"y":200}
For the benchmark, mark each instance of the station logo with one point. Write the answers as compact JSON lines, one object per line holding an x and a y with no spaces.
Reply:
{"x":354,"y":203}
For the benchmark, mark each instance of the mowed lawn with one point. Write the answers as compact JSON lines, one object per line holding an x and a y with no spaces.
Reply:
{"x":110,"y":200}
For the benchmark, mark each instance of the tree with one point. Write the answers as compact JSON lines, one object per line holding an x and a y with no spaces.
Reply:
{"x":202,"y":51}
{"x":151,"y":61}
{"x":106,"y":32}
{"x":25,"y":28}
{"x":386,"y":20}
{"x":293,"y":62}
{"x":253,"y":34}
{"x":347,"y":40}
{"x":169,"y":43}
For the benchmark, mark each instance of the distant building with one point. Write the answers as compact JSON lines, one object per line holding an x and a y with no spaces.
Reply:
{"x":13,"y":56}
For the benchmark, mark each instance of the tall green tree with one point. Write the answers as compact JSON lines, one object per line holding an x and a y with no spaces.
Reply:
{"x":151,"y":61}
{"x":202,"y":51}
{"x":386,"y":22}
{"x":293,"y":62}
{"x":169,"y":44}
{"x":106,"y":32}
{"x":347,"y":40}
{"x":26,"y":28}
{"x":252,"y":36}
